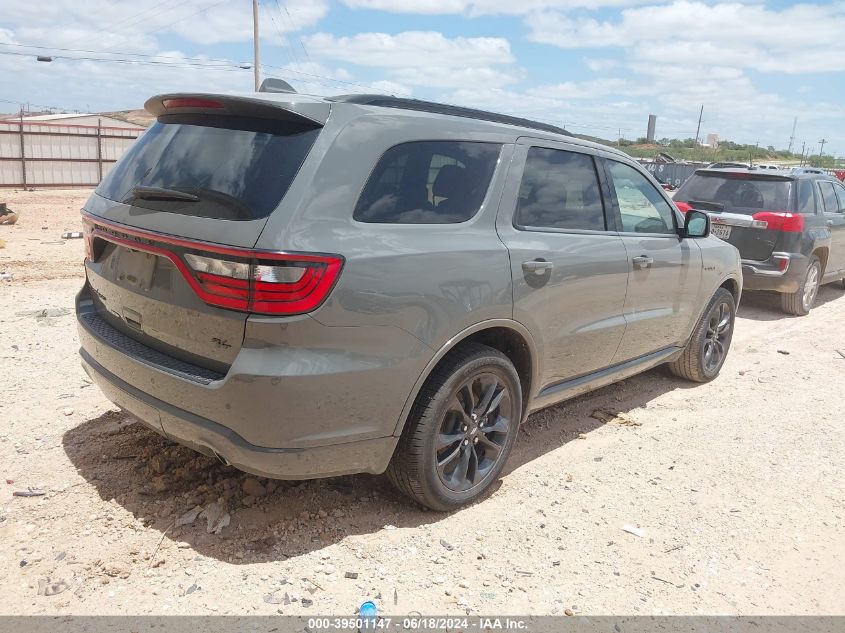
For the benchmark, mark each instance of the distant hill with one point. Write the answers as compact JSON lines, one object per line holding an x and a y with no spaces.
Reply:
{"x":138,"y":117}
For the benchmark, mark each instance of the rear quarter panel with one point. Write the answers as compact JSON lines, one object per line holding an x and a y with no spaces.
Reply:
{"x":432,"y":280}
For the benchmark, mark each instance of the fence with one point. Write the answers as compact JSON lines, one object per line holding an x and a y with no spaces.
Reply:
{"x":36,"y":154}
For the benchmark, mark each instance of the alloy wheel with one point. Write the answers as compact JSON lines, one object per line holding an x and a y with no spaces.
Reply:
{"x":473,"y":432}
{"x":811,"y":286}
{"x":717,"y":337}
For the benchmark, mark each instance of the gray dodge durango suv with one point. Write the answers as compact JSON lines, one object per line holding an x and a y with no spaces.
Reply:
{"x":310,"y":287}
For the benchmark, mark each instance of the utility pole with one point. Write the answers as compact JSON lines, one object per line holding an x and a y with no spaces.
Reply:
{"x":256,"y":66}
{"x":803,"y":146}
{"x":821,"y":149}
{"x":698,"y":129}
{"x":792,"y":138}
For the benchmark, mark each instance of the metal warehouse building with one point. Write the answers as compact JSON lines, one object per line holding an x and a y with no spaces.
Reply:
{"x":61,"y":150}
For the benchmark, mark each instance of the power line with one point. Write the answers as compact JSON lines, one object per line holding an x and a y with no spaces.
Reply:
{"x":188,"y":61}
{"x":118,"y":60}
{"x":295,"y":29}
{"x":37,"y":105}
{"x":282,"y":40}
{"x":285,"y":38}
{"x":130,"y":20}
{"x":124,"y":53}
{"x":190,"y":15}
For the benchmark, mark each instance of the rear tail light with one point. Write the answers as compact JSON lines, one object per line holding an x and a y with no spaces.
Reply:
{"x":779,"y":221}
{"x":235,"y":278}
{"x":293,"y":285}
{"x":683,"y":207}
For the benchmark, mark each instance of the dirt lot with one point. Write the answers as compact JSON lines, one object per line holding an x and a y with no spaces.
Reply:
{"x":738,"y":488}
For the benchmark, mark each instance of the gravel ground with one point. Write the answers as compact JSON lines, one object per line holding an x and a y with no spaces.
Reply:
{"x":735,"y":488}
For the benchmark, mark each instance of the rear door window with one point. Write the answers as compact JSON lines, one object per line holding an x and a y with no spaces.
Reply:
{"x":641,"y":207}
{"x":559,"y":190}
{"x":736,"y":193}
{"x":831,"y":204}
{"x":428,"y":182}
{"x":229,"y":168}
{"x":840,"y":194}
{"x":806,"y":197}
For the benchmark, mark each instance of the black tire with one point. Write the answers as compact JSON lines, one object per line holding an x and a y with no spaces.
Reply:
{"x":446,"y":429}
{"x":695,"y":363}
{"x":842,"y":284}
{"x":800,"y":302}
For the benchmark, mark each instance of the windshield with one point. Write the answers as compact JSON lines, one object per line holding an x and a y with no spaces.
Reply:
{"x":736,"y":193}
{"x":231,"y":168}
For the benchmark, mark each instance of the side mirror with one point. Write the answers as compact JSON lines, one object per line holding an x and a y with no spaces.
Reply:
{"x":696,"y":224}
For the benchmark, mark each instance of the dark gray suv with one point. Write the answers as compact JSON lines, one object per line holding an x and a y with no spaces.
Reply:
{"x":788,"y":224}
{"x":310,"y":287}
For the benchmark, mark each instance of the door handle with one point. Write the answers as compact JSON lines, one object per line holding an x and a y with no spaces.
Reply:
{"x":643,"y":261}
{"x":537,"y":266}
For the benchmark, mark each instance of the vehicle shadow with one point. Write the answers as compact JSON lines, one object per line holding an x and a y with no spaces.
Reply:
{"x":765,"y":306}
{"x":158,"y":481}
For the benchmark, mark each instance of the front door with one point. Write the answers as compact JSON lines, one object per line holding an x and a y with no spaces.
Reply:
{"x":569,"y":271}
{"x":664,"y":270}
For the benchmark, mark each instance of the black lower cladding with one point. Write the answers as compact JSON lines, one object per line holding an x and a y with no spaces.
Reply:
{"x":100,"y":328}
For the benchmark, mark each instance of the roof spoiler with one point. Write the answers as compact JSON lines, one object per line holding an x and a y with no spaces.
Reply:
{"x":298,"y":109}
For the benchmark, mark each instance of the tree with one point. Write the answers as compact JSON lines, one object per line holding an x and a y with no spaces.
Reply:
{"x":821,"y":161}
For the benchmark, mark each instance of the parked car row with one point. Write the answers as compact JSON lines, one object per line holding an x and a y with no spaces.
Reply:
{"x":788,"y":225}
{"x":307,"y":287}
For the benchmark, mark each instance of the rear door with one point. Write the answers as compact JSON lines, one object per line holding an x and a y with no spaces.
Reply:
{"x":833,"y":199}
{"x":569,"y":270}
{"x":181,"y":208}
{"x":664,"y":270}
{"x":733,"y":198}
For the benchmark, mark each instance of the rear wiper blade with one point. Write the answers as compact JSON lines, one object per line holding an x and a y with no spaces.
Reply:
{"x":160,"y":193}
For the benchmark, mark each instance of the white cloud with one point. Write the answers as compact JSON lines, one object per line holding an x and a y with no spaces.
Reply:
{"x":412,"y":48}
{"x":318,"y":79}
{"x":391,"y":88}
{"x":793,"y":40}
{"x":592,"y":89}
{"x":600,"y":65}
{"x":488,"y":7}
{"x":104,"y":24}
{"x":423,"y":58}
{"x":685,"y":54}
{"x":134,"y":32}
{"x":428,"y":7}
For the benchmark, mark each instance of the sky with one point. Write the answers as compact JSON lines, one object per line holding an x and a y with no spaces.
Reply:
{"x":597,"y":67}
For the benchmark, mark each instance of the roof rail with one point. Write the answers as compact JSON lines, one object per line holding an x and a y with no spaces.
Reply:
{"x":385,"y":101}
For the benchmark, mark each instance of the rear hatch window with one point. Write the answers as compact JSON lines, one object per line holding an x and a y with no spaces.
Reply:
{"x":736,"y":193}
{"x":733,"y":199}
{"x":217,"y":167}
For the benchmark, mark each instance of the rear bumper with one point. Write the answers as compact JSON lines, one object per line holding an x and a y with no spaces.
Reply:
{"x":213,"y":439}
{"x":301,"y":400}
{"x":767,"y":275}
